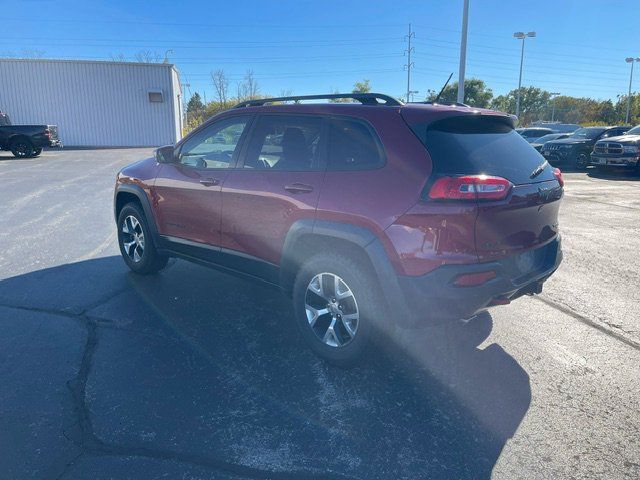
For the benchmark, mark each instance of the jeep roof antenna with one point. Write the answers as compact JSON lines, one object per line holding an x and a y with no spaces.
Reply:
{"x":443,"y":87}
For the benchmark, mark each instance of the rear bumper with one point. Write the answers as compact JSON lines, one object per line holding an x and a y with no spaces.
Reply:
{"x":434,"y":296}
{"x":55,"y":143}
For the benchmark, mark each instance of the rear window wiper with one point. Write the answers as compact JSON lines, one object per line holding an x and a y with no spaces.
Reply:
{"x":538,"y":170}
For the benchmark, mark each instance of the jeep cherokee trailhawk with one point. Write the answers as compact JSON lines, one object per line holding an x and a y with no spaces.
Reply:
{"x":368,"y":214}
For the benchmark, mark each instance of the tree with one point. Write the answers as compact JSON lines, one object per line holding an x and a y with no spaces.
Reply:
{"x":248,"y":89}
{"x":221,"y":85}
{"x":361,"y":87}
{"x":534,"y":102}
{"x":476,"y":93}
{"x":195,"y":104}
{"x":147,"y":56}
{"x":621,"y":108}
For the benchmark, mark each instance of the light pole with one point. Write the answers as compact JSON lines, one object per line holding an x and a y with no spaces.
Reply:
{"x":521,"y":36}
{"x":553,"y":105}
{"x":630,"y":60}
{"x":463,"y":51}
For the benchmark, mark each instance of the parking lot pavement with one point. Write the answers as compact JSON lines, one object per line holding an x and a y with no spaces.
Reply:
{"x":195,"y":374}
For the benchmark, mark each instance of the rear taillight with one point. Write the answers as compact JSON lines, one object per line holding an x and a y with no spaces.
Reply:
{"x":558,"y":174}
{"x":47,"y":133}
{"x":470,"y":187}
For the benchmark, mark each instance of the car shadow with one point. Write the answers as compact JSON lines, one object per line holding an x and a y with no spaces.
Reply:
{"x":208,"y":369}
{"x":614,"y":174}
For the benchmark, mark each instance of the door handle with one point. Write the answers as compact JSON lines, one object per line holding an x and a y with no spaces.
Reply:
{"x":209,"y":182}
{"x":299,"y":188}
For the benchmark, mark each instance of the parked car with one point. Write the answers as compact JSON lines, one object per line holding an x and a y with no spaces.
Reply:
{"x":622,"y":151}
{"x":26,"y":140}
{"x":533,"y":134}
{"x":366,"y":215}
{"x":557,"y":126}
{"x":547,"y":138}
{"x":575,"y":150}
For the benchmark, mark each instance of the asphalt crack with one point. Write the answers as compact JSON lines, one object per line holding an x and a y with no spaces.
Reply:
{"x":589,"y":322}
{"x":80,"y":432}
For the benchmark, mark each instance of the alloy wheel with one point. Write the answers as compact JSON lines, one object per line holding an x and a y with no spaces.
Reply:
{"x":133,"y":238}
{"x":581,"y":161}
{"x":22,"y":149}
{"x":332,"y":310}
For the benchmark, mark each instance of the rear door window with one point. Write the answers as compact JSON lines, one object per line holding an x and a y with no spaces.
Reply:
{"x":477,"y":145}
{"x":285,"y":142}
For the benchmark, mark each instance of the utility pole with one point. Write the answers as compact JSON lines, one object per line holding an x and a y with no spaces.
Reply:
{"x":409,"y":64}
{"x":630,"y":60}
{"x":553,"y":105}
{"x":463,"y":51}
{"x":185,"y":101}
{"x":521,"y":36}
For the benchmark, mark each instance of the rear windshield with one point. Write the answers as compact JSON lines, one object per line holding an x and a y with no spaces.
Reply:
{"x":475,"y":145}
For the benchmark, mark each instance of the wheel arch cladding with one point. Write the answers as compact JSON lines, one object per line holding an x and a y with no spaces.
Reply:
{"x":307,"y":237}
{"x":135,"y":194}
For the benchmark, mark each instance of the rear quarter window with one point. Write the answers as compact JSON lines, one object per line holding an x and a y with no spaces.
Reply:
{"x":353,"y":145}
{"x":477,"y":145}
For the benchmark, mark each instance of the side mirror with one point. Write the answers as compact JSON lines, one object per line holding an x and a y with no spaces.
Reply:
{"x":165,"y":154}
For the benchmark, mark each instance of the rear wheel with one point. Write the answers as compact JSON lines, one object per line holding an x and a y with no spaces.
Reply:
{"x":22,"y":148}
{"x":337,"y":304}
{"x":136,"y":244}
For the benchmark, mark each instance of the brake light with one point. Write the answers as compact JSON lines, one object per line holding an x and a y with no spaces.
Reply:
{"x":47,"y":133}
{"x":470,"y":187}
{"x":558,"y":174}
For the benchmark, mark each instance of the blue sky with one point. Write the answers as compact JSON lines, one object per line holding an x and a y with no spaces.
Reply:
{"x":313,"y":47}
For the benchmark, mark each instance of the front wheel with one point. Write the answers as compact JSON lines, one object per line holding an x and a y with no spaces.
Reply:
{"x":582,"y":161}
{"x":136,"y":244}
{"x":337,"y":305}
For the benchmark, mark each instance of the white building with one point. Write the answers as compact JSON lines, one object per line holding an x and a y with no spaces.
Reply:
{"x":96,"y":104}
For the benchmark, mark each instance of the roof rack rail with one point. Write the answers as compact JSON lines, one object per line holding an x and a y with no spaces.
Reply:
{"x":456,"y":104}
{"x":363,"y":98}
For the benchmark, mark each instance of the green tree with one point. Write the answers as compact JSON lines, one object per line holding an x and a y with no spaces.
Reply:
{"x":621,"y":109}
{"x":534,"y":103}
{"x":361,"y":87}
{"x":476,"y":93}
{"x":358,"y":87}
{"x":195,"y":104}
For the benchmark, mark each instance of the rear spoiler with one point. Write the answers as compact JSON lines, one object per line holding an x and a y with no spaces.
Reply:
{"x":474,"y":123}
{"x":456,"y":115}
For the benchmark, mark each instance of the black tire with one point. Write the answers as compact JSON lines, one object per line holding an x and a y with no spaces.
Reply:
{"x":582,"y":161}
{"x":21,"y":148}
{"x":145,"y":260}
{"x":361,"y":282}
{"x":36,"y":152}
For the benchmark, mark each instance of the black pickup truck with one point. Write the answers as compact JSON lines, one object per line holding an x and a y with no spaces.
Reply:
{"x":26,"y":140}
{"x":618,"y":152}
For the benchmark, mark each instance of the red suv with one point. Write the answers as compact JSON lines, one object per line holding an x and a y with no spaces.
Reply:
{"x":367,"y":214}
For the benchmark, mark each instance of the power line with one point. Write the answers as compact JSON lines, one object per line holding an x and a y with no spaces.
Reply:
{"x":206,"y":25}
